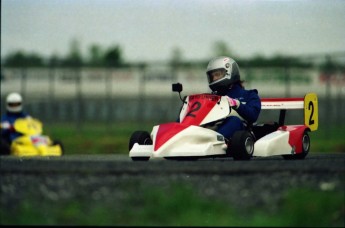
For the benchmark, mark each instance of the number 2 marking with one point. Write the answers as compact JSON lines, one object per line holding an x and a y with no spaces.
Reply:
{"x":195,"y":107}
{"x":311,"y":107}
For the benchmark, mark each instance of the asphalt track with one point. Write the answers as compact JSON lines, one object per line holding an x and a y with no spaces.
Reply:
{"x":314,"y":163}
{"x":115,"y":180}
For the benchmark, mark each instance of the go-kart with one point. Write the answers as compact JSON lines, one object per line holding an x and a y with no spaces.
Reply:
{"x":194,"y":136}
{"x":31,"y":141}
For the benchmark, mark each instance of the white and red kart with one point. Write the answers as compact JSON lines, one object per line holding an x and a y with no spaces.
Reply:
{"x":194,"y":136}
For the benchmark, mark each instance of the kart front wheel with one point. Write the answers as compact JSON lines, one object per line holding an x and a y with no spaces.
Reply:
{"x":242,"y":145}
{"x":183,"y":158}
{"x":5,"y":148}
{"x":142,"y":138}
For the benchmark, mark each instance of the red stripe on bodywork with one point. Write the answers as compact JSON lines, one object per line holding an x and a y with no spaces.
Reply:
{"x":166,"y":132}
{"x":198,"y":108}
{"x":199,"y":105}
{"x":295,"y":137}
{"x":282,"y":99}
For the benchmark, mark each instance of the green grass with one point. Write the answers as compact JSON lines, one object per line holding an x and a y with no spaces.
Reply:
{"x":180,"y":206}
{"x":102,"y":138}
{"x":95,"y":138}
{"x":328,"y":139}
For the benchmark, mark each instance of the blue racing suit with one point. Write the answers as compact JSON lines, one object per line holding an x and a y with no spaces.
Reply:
{"x":8,"y":133}
{"x":249,"y":110}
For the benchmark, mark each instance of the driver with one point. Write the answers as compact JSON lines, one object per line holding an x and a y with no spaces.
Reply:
{"x":224,"y":79}
{"x":14,"y":110}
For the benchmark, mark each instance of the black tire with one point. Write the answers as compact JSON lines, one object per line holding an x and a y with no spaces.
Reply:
{"x":140,"y":158}
{"x":183,"y":158}
{"x":58,"y":142}
{"x":242,"y":145}
{"x":305,"y":148}
{"x":5,"y":148}
{"x":142,"y":138}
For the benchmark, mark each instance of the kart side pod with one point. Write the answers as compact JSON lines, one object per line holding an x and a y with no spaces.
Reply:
{"x":291,"y":140}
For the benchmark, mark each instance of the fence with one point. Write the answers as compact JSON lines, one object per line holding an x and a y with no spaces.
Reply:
{"x":144,"y":94}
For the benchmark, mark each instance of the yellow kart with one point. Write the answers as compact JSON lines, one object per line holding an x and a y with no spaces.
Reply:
{"x":32,"y":142}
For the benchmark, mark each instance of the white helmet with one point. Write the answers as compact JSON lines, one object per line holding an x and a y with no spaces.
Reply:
{"x":14,"y":102}
{"x":222,"y":72}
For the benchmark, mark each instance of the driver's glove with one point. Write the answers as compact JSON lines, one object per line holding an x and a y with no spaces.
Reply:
{"x":234,"y":103}
{"x":7,"y":126}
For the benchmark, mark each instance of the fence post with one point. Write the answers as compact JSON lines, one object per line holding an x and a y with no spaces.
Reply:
{"x":51,"y":96}
{"x":287,"y":68}
{"x":23,"y":83}
{"x":141,"y":94}
{"x":108,"y":93}
{"x":328,"y":70}
{"x":79,"y":121}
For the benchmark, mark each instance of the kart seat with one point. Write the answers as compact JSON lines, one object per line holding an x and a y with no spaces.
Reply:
{"x":262,"y":129}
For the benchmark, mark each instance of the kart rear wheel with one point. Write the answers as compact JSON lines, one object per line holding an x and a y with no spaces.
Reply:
{"x":142,"y":138}
{"x":58,"y":142}
{"x":242,"y":145}
{"x":305,"y":148}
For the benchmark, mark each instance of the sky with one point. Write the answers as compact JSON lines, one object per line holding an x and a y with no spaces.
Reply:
{"x":149,"y":30}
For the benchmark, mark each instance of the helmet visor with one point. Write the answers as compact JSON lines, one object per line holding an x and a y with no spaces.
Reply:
{"x":16,"y":104}
{"x":215,"y":75}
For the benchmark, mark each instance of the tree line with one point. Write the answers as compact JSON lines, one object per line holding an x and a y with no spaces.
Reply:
{"x":96,"y":57}
{"x":112,"y":56}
